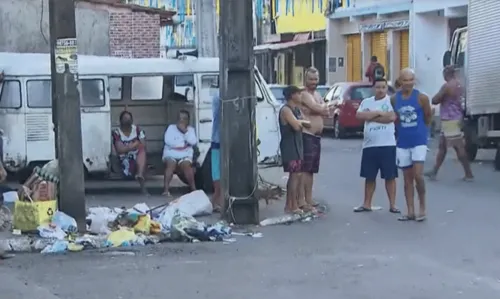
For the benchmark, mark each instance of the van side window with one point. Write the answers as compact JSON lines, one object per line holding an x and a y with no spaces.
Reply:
{"x":184,"y":80}
{"x":39,"y":93}
{"x":148,"y":88}
{"x":115,"y":88}
{"x":211,"y":82}
{"x":10,"y":94}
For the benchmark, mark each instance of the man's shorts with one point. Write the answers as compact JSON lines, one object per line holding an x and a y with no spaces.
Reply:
{"x":293,"y":166}
{"x":312,"y":153}
{"x":379,"y":158}
{"x":406,"y":157}
{"x":215,"y":159}
{"x":451,"y":129}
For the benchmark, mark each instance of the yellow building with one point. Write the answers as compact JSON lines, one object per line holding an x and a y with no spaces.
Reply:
{"x":300,"y":25}
{"x":294,"y":16}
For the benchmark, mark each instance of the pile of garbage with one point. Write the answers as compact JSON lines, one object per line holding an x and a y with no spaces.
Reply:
{"x":138,"y":226}
{"x":36,"y":210}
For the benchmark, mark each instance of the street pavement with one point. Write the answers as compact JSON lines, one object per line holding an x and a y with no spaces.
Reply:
{"x":455,"y":254}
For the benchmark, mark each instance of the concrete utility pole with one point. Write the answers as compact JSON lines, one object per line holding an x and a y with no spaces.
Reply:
{"x":237,"y":88}
{"x":66,"y":109}
{"x":206,"y":28}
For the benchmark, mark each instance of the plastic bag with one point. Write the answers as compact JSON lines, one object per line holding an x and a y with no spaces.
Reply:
{"x":122,"y":237}
{"x":186,"y":228}
{"x":65,"y":222}
{"x":195,"y":203}
{"x":58,"y":247}
{"x":46,"y":231}
{"x":143,"y":225}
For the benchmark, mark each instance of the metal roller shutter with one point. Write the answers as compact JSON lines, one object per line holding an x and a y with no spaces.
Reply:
{"x":353,"y":59}
{"x":404,"y":49}
{"x":379,"y":47}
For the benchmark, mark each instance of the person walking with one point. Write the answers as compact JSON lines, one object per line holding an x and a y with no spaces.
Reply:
{"x":379,"y":146}
{"x":414,"y":112}
{"x":451,"y":113}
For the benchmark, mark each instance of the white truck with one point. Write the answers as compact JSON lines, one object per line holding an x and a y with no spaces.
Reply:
{"x":475,"y":50}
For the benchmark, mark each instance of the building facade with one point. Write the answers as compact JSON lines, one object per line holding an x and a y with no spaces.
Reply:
{"x":296,"y":40}
{"x":104,"y":28}
{"x":400,"y":33}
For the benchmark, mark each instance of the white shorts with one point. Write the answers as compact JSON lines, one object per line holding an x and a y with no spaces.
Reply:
{"x":406,"y":157}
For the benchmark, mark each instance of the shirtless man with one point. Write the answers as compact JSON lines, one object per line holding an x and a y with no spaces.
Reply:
{"x":313,"y":110}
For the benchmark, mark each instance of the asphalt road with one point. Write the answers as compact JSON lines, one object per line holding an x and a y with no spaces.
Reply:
{"x":455,"y":254}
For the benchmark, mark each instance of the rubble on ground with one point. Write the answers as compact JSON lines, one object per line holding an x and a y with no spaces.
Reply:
{"x":109,"y":227}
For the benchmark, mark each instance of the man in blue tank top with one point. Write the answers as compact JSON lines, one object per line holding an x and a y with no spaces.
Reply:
{"x":414,"y":113}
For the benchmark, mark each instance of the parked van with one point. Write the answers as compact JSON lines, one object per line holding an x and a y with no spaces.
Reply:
{"x":152,"y":89}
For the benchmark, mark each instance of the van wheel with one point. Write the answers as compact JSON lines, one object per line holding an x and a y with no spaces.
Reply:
{"x":203,"y":175}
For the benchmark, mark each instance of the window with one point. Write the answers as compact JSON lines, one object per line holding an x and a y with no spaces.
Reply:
{"x":147,"y":88}
{"x":258,"y":93}
{"x":322,"y":90}
{"x":39,"y":93}
{"x":184,"y":80}
{"x":115,"y":88}
{"x":10,"y":94}
{"x":360,"y":93}
{"x":91,"y":93}
{"x":462,"y":42}
{"x":337,"y":92}
{"x":211,"y":82}
{"x":278,"y":93}
{"x":329,"y":94}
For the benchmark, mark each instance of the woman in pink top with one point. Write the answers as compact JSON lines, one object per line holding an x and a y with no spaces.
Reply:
{"x":450,"y":98}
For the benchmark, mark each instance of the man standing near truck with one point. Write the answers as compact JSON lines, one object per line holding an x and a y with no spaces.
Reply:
{"x":450,"y":98}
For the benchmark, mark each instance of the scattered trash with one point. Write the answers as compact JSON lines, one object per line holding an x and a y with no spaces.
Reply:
{"x":10,"y":197}
{"x":192,"y":204}
{"x":450,"y":211}
{"x":122,"y":238}
{"x":51,"y":232}
{"x":58,"y":246}
{"x":64,"y":222}
{"x":289,"y":218}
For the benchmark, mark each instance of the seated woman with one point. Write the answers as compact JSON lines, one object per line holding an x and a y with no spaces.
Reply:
{"x":130,"y":145}
{"x":178,"y":151}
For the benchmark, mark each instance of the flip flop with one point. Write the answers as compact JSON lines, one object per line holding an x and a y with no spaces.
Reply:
{"x":421,"y":218}
{"x":361,"y":209}
{"x":406,"y":218}
{"x":466,"y":179}
{"x":395,"y":211}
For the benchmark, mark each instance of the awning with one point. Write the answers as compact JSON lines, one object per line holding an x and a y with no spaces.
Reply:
{"x":285,"y":45}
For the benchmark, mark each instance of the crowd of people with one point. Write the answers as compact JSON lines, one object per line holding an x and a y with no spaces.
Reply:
{"x":396,"y":131}
{"x":395,"y":138}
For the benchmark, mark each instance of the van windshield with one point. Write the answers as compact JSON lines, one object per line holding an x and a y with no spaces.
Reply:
{"x":39,"y":93}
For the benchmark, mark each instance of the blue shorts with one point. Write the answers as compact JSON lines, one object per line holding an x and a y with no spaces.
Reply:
{"x":215,"y":160}
{"x":381,"y":158}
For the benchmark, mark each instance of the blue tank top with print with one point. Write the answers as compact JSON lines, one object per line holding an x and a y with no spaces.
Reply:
{"x":411,"y":127}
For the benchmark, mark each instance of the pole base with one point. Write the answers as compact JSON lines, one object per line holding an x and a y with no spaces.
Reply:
{"x":244,"y":212}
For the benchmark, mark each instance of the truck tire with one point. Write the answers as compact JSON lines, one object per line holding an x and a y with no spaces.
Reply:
{"x":496,"y":162}
{"x":203,"y":175}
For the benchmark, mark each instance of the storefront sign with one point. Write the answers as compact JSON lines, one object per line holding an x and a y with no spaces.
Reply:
{"x":401,"y":24}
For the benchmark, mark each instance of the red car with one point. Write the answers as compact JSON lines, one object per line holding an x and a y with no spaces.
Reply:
{"x":349,"y":94}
